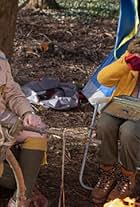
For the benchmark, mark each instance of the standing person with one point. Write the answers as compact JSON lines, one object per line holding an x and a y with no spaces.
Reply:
{"x":117,"y":179}
{"x":32,"y":145}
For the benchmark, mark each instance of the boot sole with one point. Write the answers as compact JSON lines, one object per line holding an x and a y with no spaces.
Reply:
{"x":97,"y":201}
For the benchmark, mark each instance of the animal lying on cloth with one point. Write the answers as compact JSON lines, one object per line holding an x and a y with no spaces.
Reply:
{"x":52,"y":93}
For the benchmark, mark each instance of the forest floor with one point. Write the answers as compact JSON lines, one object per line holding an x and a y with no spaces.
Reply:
{"x":77,"y":44}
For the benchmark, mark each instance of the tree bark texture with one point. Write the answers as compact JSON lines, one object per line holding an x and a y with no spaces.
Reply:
{"x":8,"y":15}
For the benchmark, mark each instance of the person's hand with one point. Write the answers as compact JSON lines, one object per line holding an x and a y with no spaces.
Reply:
{"x":133,"y":60}
{"x":32,"y":120}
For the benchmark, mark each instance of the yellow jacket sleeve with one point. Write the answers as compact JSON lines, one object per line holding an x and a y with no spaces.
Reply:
{"x":111,"y":74}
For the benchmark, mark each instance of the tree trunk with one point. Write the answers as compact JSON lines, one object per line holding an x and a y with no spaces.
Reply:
{"x":51,"y":4}
{"x":139,"y":8}
{"x":8,"y":14}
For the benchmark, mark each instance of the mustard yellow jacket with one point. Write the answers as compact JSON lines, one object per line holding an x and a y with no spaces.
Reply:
{"x":120,"y":75}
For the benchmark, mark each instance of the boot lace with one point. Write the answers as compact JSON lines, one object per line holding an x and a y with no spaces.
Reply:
{"x":105,"y":179}
{"x":123,"y":184}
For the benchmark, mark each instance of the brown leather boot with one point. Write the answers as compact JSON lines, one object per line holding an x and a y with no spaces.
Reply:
{"x":125,"y":185}
{"x":106,"y":183}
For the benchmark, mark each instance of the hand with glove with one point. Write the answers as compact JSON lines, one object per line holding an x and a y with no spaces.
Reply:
{"x":133,"y":58}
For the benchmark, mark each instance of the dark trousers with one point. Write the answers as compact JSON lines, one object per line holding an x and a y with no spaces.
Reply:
{"x":111,"y":129}
{"x":30,"y":162}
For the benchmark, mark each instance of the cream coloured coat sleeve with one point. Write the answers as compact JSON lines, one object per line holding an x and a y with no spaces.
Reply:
{"x":13,"y":95}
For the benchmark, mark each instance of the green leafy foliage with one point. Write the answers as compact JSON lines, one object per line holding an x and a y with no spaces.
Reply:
{"x":104,"y":8}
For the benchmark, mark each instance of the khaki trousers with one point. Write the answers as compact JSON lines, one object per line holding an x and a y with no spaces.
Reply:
{"x":111,"y":129}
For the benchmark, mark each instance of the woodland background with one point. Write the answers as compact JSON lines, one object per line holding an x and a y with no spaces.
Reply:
{"x":67,"y":40}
